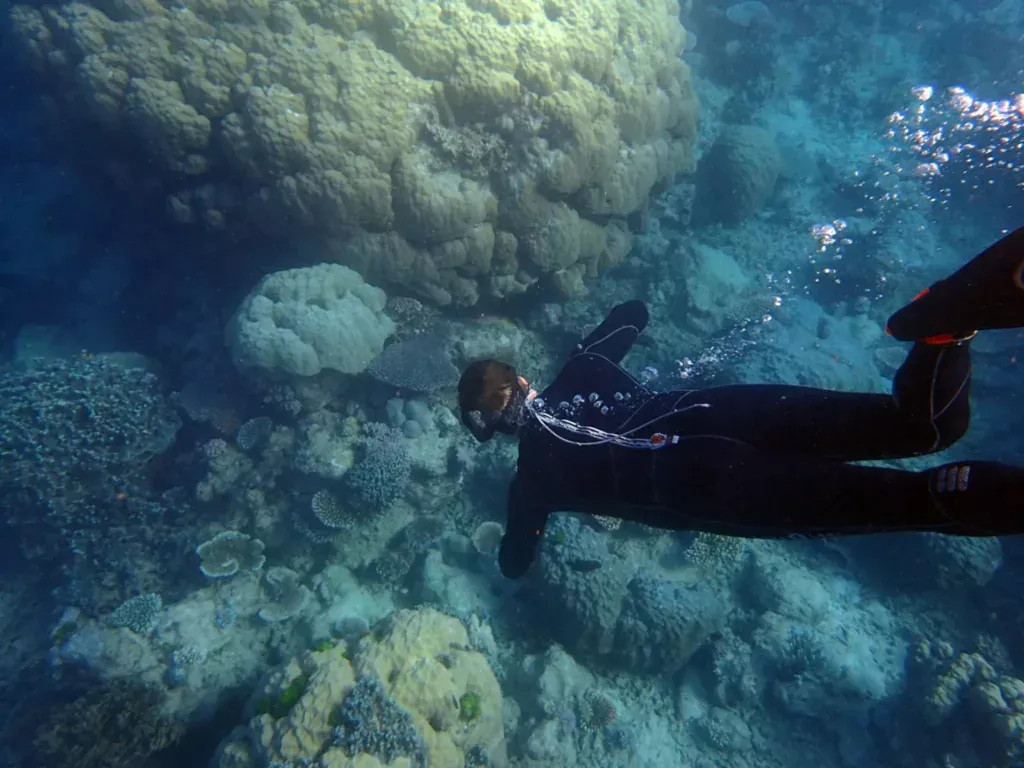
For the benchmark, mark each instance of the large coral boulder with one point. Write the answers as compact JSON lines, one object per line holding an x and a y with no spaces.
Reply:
{"x":456,"y":150}
{"x":414,"y":694}
{"x":302,"y":321}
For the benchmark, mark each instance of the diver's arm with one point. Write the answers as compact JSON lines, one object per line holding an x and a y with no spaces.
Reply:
{"x":616,"y":334}
{"x":523,"y":531}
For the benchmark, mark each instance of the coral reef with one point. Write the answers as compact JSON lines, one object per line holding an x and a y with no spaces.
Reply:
{"x":497,"y":161}
{"x":228,"y":553}
{"x":601,"y":607}
{"x":420,"y":364}
{"x":139,"y":614}
{"x":467,"y":152}
{"x":379,"y":477}
{"x":398,"y":694}
{"x":118,"y":725}
{"x":303,"y":321}
{"x":737,"y":176}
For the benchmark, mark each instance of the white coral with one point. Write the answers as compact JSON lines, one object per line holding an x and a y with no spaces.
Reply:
{"x":302,"y":321}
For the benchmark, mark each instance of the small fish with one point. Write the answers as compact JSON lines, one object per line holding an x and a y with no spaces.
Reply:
{"x":649,"y":374}
{"x":584,"y":565}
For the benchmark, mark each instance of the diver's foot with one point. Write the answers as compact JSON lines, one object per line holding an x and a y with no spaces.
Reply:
{"x":986,"y":293}
{"x":979,"y":498}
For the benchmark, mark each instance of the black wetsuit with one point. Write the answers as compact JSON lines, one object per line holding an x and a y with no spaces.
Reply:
{"x":762,"y":461}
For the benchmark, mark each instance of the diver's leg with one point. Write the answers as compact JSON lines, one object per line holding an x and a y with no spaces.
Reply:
{"x":728,"y":487}
{"x":986,"y":293}
{"x":929,"y":410}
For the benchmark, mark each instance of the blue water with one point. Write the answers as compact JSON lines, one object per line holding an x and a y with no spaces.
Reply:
{"x":240,"y":535}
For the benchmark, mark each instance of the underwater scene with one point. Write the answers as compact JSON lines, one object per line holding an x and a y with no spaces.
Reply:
{"x":511,"y":383}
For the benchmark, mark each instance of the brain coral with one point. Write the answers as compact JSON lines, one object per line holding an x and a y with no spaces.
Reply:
{"x":301,"y":321}
{"x":451,"y":148}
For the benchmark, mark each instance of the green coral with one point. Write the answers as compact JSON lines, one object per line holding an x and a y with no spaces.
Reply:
{"x":469,"y":706}
{"x":281,"y":705}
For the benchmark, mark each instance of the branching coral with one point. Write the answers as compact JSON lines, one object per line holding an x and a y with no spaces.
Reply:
{"x":116,"y":726}
{"x":380,"y":476}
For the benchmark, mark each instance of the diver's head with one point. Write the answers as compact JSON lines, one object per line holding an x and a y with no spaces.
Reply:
{"x":491,"y":398}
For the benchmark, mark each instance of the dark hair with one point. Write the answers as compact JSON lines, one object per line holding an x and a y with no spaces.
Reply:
{"x":485,"y":389}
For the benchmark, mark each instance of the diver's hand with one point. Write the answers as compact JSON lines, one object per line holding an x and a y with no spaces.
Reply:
{"x":515,"y":556}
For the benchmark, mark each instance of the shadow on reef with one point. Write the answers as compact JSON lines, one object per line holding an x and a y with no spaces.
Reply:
{"x":89,"y":723}
{"x":79,"y":721}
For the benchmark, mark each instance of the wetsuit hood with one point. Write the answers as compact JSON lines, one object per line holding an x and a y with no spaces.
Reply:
{"x":507,"y":421}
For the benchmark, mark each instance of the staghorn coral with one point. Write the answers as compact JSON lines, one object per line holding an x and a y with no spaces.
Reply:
{"x":254,"y":434}
{"x":474,"y":148}
{"x":713,"y":552}
{"x":371,"y":723}
{"x":76,"y":436}
{"x":138,"y":614}
{"x":330,"y":511}
{"x":103,"y":415}
{"x":379,"y":478}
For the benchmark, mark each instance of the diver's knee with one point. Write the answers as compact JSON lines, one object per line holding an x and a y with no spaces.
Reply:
{"x":952,"y":429}
{"x":935,"y":436}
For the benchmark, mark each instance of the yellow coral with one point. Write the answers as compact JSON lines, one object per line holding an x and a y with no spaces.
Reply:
{"x":427,"y":665}
{"x":395,"y":120}
{"x":423,"y":659}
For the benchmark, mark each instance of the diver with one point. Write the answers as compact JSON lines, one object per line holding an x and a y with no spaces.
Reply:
{"x":759,"y":460}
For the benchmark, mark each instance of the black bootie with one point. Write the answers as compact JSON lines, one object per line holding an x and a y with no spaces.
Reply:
{"x":978,"y":498}
{"x":984,"y":294}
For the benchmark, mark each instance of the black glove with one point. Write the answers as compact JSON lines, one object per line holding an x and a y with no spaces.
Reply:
{"x":515,"y":557}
